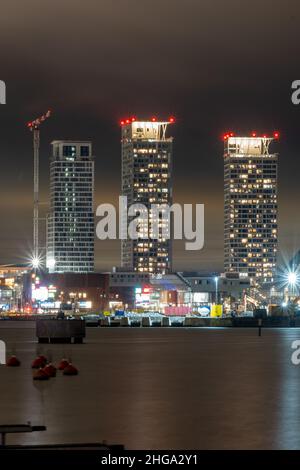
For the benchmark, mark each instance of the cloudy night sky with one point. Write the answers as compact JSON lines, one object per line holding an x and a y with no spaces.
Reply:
{"x":216,"y":66}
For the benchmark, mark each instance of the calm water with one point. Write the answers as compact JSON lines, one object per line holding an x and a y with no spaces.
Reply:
{"x":159,"y":388}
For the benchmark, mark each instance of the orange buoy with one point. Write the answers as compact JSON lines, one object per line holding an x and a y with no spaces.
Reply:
{"x":63,"y":364}
{"x":13,"y":361}
{"x":41,"y":375}
{"x":50,"y":370}
{"x":70,"y":370}
{"x":40,"y":361}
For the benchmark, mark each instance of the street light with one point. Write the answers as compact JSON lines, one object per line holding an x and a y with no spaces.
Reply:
{"x":216,"y":281}
{"x":35,"y":262}
{"x":292,"y":278}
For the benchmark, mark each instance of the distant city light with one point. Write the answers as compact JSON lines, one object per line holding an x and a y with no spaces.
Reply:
{"x":50,"y":263}
{"x":292,"y":278}
{"x":35,"y":262}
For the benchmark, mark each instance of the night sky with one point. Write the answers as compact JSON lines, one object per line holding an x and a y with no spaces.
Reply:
{"x":216,"y":65}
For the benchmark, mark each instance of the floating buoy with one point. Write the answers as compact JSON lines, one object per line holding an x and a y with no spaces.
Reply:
{"x":13,"y":361}
{"x":40,"y":361}
{"x":63,"y":364}
{"x":41,"y":375}
{"x":70,"y":370}
{"x":50,"y":370}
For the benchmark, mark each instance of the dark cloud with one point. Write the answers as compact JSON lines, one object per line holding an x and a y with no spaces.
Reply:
{"x":215,"y":65}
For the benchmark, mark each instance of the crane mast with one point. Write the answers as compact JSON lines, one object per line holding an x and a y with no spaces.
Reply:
{"x":34,"y":126}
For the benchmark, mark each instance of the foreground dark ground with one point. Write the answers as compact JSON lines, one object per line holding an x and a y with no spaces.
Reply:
{"x":159,"y":388}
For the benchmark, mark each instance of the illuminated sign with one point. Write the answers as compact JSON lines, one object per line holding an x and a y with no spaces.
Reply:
{"x":199,"y":297}
{"x":40,"y":293}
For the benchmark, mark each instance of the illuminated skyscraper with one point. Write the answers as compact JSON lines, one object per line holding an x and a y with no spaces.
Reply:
{"x":147,"y":179}
{"x":70,"y":223}
{"x":250,"y":206}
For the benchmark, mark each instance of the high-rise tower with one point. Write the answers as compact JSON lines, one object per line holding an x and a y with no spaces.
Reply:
{"x":70,"y":223}
{"x":147,"y":179}
{"x":250,"y":179}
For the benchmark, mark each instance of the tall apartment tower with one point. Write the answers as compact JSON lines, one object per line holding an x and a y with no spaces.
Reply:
{"x":250,"y":206}
{"x":147,"y":179}
{"x":70,"y":223}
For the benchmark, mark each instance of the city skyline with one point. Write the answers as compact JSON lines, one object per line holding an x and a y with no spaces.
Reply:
{"x":201,"y":266}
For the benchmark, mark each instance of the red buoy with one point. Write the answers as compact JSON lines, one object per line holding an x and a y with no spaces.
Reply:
{"x":40,"y":361}
{"x":50,"y":370}
{"x":63,"y":364}
{"x":13,"y":361}
{"x":70,"y":370}
{"x":41,"y":375}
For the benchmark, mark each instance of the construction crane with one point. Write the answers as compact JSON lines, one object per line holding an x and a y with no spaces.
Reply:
{"x":34,"y":126}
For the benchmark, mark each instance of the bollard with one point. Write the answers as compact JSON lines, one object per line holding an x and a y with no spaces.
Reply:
{"x":145,"y":321}
{"x":124,"y":321}
{"x":259,"y":326}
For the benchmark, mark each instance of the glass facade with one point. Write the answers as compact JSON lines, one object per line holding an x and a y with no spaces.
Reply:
{"x":147,"y":179}
{"x":250,"y":175}
{"x":70,"y":223}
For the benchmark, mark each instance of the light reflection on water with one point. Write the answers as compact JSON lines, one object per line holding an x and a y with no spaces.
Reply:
{"x":160,"y":388}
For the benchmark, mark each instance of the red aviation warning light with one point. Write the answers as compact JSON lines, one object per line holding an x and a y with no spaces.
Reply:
{"x":123,"y":122}
{"x":276,"y":135}
{"x":37,"y":122}
{"x":253,"y":134}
